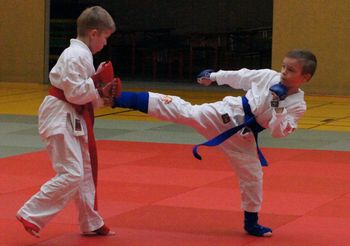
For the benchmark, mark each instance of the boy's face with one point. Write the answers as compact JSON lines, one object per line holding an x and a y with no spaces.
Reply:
{"x":97,"y":40}
{"x":291,"y":73}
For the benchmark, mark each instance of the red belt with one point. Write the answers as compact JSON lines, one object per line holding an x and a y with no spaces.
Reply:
{"x":87,"y":111}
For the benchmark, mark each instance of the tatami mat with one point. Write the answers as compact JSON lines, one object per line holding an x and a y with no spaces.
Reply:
{"x":157,"y":194}
{"x":153,"y":192}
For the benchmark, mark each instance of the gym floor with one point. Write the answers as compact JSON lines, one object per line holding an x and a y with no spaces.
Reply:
{"x":324,"y":131}
{"x":325,"y":125}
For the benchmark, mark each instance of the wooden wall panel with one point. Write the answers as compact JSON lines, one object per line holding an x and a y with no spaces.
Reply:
{"x":322,"y":26}
{"x":22,"y":28}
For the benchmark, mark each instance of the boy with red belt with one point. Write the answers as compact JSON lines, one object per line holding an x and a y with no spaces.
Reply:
{"x":66,"y":127}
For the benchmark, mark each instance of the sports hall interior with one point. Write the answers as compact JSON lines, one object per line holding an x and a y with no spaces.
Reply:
{"x":151,"y":189}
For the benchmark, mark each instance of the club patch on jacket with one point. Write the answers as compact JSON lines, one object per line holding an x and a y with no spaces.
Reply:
{"x":225,"y":118}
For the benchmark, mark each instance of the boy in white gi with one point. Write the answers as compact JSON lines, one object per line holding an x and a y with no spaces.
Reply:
{"x":272,"y":101}
{"x":66,"y":127}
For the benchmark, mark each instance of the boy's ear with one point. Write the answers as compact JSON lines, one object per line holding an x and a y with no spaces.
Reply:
{"x":93,"y":32}
{"x":307,"y":77}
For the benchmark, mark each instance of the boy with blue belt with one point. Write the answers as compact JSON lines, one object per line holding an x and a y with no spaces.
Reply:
{"x":273,"y":101}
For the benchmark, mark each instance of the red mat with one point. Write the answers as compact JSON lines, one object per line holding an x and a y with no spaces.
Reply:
{"x":158,"y":194}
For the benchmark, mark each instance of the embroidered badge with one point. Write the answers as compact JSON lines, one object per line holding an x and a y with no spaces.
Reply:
{"x":77,"y":125}
{"x":225,"y":118}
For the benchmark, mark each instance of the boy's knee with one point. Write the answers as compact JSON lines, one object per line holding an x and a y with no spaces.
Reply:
{"x":75,"y":178}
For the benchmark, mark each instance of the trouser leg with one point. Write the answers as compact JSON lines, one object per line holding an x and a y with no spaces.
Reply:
{"x":54,"y":195}
{"x":89,"y":218}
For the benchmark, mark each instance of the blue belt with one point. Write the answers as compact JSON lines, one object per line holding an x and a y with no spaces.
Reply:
{"x":249,"y":121}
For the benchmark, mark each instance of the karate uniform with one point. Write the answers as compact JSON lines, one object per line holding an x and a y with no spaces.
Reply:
{"x":211,"y":119}
{"x":64,"y":132}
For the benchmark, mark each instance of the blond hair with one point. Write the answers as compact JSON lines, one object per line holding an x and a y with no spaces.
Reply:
{"x":94,"y":18}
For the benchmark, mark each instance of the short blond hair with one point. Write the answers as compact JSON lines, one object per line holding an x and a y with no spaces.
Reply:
{"x":306,"y":58}
{"x":94,"y":17}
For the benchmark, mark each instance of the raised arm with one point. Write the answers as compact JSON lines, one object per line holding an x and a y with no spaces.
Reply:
{"x":239,"y":79}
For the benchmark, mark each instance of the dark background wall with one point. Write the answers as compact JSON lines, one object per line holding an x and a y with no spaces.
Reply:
{"x":192,"y":15}
{"x":183,"y":15}
{"x":157,"y":39}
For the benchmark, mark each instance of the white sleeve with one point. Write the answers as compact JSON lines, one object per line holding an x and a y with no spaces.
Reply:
{"x":284,"y":123}
{"x":77,"y":85}
{"x":241,"y":79}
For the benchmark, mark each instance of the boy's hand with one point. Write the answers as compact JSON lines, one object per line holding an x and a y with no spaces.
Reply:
{"x":204,"y":81}
{"x":203,"y":77}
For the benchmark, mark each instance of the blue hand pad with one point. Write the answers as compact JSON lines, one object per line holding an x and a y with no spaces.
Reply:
{"x":205,"y":74}
{"x":280,"y":90}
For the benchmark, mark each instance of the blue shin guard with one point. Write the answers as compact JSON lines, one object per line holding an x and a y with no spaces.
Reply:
{"x":252,"y":227}
{"x":133,"y":100}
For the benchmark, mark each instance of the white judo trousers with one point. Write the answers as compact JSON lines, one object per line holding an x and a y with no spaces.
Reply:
{"x":207,"y":120}
{"x":71,"y":162}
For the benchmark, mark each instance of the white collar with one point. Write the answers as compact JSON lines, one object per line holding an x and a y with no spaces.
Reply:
{"x":80,"y":43}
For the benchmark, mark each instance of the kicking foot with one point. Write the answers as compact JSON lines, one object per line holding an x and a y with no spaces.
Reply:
{"x":29,"y":227}
{"x":258,"y":230}
{"x":102,"y":231}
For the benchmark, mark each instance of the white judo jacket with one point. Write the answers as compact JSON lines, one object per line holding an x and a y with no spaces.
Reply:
{"x":257,"y":84}
{"x":72,"y":74}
